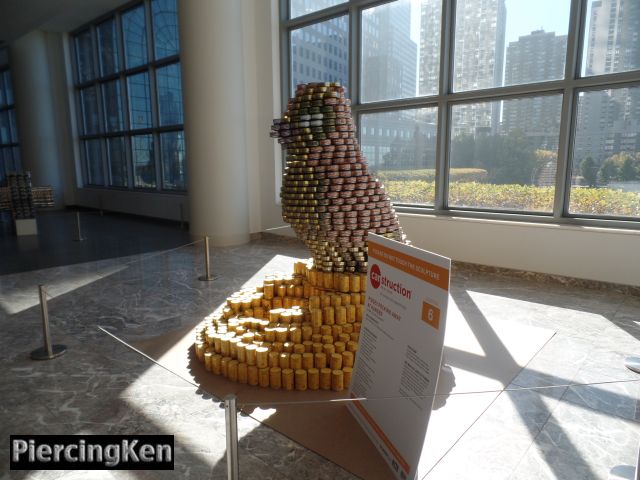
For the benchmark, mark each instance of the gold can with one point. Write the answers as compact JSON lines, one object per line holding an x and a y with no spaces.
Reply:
{"x":287,"y":379}
{"x":301,"y":379}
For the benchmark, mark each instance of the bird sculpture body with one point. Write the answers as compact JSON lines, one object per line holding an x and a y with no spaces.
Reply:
{"x":328,"y":195}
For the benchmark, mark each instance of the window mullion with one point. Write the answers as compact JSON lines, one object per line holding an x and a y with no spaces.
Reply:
{"x":447,"y":27}
{"x":355,"y":51}
{"x":567,"y":117}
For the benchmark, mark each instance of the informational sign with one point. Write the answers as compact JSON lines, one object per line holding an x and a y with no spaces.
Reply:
{"x":400,"y":350}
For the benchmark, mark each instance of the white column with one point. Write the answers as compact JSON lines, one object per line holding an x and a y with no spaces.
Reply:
{"x":211,"y":52}
{"x":35,"y":112}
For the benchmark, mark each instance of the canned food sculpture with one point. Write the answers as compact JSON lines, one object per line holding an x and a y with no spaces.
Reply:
{"x":328,"y":196}
{"x":300,"y":330}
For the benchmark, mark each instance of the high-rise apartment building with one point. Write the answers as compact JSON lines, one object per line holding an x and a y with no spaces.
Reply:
{"x":388,"y":54}
{"x":609,"y":120}
{"x":478,"y":58}
{"x":536,"y":57}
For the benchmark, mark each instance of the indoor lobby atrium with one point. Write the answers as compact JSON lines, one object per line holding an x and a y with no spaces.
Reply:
{"x":320,"y":239}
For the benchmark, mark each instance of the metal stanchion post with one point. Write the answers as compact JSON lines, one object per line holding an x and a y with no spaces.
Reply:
{"x":231,"y":419}
{"x":633,"y":364}
{"x":628,"y":472}
{"x":79,"y":237}
{"x":48,"y":351}
{"x":207,"y":277}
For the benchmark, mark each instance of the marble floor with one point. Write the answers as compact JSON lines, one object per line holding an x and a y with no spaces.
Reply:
{"x":100,"y":386}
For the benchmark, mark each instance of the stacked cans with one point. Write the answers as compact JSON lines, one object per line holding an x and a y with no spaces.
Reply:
{"x":328,"y":195}
{"x":21,"y":195}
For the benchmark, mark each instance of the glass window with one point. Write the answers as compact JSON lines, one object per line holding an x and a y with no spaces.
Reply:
{"x":3,"y":167}
{"x":8,"y":88}
{"x":112,"y":104}
{"x":16,"y":158}
{"x":144,"y":167}
{"x":13,"y":126}
{"x":3,"y":96}
{"x":89,"y":104}
{"x":127,"y":100}
{"x":404,"y":163}
{"x":606,"y":154}
{"x":139,"y":101}
{"x":93,"y":155}
{"x":173,"y":161}
{"x":506,"y":42}
{"x":165,"y":27}
{"x":107,"y":47}
{"x":169,"y":87}
{"x":5,"y":128}
{"x":9,"y":163}
{"x":135,"y":37}
{"x":84,"y":56}
{"x":117,"y":162}
{"x":303,"y":7}
{"x":611,"y":37}
{"x":504,"y":154}
{"x":389,"y":57}
{"x":334,"y":33}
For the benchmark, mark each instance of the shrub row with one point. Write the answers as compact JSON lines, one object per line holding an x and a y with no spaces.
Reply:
{"x":429,"y":174}
{"x":589,"y":201}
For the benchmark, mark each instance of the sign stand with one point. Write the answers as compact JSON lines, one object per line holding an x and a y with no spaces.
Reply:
{"x":400,"y":351}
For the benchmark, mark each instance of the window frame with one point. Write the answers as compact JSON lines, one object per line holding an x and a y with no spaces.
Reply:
{"x":8,"y":108}
{"x":121,"y":76}
{"x":569,"y":87}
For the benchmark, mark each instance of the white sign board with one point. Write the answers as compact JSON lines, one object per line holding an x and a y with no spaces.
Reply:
{"x":400,"y":349}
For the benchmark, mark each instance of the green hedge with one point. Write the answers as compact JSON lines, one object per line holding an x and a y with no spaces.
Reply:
{"x":429,"y":175}
{"x":591,"y":201}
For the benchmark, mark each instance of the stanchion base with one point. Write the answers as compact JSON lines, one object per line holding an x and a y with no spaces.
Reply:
{"x":633,"y":364}
{"x":204,"y":278}
{"x":42,"y":354}
{"x":622,"y":472}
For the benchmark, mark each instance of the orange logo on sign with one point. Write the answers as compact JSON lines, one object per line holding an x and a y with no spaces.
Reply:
{"x":431,"y":315}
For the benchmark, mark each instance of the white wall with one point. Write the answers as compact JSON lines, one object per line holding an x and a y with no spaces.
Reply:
{"x":609,"y":255}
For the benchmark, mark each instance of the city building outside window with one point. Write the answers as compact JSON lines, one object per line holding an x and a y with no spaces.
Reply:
{"x":129,"y":97}
{"x":488,"y":108}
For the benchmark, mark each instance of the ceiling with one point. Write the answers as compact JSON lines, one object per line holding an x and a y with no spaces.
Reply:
{"x":18,"y":17}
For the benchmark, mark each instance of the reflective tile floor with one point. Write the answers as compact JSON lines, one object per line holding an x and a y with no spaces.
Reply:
{"x":130,"y":278}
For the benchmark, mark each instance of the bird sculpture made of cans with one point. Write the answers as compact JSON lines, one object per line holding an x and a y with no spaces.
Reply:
{"x":329,"y":197}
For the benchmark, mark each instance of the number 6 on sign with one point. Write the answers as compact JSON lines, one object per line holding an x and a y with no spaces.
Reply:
{"x":431,"y":315}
